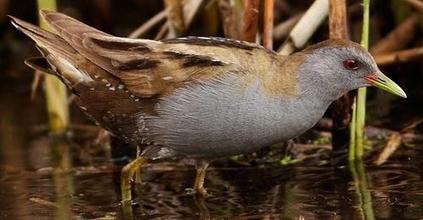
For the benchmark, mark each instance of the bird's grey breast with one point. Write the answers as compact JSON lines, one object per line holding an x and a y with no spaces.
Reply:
{"x":223,"y":117}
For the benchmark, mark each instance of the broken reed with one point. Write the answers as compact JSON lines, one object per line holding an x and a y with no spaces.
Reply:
{"x":356,"y":149}
{"x":55,"y":91}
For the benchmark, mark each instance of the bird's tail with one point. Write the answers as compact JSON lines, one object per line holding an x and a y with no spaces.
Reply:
{"x":57,"y":57}
{"x":99,"y":94}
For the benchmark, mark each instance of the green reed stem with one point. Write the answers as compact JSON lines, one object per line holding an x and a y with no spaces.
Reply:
{"x":351,"y":151}
{"x":359,"y":107}
{"x":55,"y":91}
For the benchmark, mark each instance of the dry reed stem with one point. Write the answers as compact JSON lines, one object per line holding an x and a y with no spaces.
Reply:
{"x":163,"y":32}
{"x":338,"y":29}
{"x":35,"y":83}
{"x":190,"y":10}
{"x":231,"y":16}
{"x":282,"y":30}
{"x":44,"y":202}
{"x":211,"y":19}
{"x":402,"y":56}
{"x":307,"y":25}
{"x":144,"y":28}
{"x":416,"y":4}
{"x":175,"y":18}
{"x":250,"y":20}
{"x":394,"y":142}
{"x":399,"y":37}
{"x":268,"y":24}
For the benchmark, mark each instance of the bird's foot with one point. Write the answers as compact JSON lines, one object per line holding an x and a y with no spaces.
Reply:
{"x":127,"y":177}
{"x":202,"y":192}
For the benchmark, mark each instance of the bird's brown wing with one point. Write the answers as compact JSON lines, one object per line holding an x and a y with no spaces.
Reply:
{"x":150,"y":68}
{"x":147,"y":68}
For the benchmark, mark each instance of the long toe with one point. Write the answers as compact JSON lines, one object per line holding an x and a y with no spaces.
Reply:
{"x":125,"y":185}
{"x":201,"y":167}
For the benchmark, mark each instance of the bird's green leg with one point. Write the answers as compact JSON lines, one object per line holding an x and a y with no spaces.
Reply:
{"x":200,"y":167}
{"x":127,"y":174}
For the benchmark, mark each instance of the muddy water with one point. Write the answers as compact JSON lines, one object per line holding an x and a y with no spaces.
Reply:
{"x":37,"y":182}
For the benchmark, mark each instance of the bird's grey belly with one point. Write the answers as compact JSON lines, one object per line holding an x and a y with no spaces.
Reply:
{"x":224,"y":118}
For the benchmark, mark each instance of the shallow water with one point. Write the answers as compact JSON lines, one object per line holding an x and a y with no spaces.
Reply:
{"x":33,"y":184}
{"x":301,"y":190}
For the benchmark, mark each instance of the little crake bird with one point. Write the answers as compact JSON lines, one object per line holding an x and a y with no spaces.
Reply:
{"x":197,"y":97}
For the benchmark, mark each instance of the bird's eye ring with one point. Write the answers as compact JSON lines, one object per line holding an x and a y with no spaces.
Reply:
{"x":351,"y":64}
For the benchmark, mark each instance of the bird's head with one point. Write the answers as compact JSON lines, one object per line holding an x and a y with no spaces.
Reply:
{"x":343,"y":65}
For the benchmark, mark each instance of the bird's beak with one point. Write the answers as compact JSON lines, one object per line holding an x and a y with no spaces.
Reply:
{"x":383,"y":82}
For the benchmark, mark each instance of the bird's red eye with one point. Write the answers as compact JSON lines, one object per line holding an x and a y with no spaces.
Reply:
{"x":351,"y":64}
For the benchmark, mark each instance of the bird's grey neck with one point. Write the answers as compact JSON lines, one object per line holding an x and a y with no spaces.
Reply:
{"x":304,"y":111}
